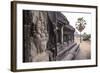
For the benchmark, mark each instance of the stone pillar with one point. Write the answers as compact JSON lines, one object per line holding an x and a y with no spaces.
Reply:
{"x":62,"y":35}
{"x":73,"y":37}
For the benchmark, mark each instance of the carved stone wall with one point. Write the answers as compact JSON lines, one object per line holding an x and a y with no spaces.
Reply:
{"x":27,"y":21}
{"x":35,"y":36}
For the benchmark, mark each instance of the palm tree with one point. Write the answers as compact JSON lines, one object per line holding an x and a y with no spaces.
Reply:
{"x":80,"y":25}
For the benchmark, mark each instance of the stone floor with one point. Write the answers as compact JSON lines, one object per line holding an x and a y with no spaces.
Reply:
{"x":85,"y":50}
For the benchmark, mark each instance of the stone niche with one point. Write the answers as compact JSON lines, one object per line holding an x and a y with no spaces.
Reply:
{"x":35,"y":36}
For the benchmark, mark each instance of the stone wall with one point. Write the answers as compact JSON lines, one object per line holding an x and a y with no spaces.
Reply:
{"x":35,"y":36}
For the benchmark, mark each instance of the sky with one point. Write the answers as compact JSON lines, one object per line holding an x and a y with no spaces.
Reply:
{"x":73,"y":16}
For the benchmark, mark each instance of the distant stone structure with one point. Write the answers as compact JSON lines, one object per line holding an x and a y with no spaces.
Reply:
{"x":45,"y":33}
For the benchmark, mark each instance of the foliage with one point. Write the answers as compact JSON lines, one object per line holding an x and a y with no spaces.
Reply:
{"x":86,"y":37}
{"x":80,"y":24}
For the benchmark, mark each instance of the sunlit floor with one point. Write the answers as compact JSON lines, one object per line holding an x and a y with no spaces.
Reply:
{"x":85,"y":49}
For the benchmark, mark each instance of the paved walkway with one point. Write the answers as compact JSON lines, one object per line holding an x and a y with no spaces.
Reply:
{"x":85,"y":50}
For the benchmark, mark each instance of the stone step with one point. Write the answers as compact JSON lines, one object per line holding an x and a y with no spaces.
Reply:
{"x":72,"y":53}
{"x":74,"y":49}
{"x":65,"y":51}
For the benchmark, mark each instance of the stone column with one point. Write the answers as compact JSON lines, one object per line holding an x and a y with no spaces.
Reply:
{"x":62,"y":35}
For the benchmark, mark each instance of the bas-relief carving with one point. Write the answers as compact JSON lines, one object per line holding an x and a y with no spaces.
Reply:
{"x":40,"y":37}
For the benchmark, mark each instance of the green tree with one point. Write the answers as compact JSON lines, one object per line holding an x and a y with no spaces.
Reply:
{"x":80,"y":25}
{"x":86,"y":37}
